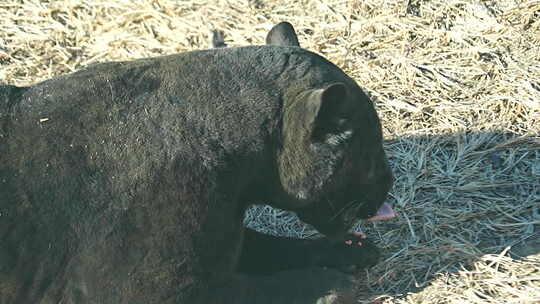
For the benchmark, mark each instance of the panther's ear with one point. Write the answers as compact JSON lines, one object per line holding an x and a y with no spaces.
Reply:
{"x":326,"y":113}
{"x":282,"y":34}
{"x":217,"y":40}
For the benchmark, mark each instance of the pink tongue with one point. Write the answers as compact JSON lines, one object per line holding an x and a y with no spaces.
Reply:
{"x":384,"y":213}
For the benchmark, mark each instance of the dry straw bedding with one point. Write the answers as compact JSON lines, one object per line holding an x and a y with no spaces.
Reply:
{"x":456,"y":83}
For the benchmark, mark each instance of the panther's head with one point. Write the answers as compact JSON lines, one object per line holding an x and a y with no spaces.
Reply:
{"x":332,"y":164}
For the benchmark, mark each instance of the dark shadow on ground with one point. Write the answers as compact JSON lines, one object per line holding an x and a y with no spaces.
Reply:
{"x":458,"y":197}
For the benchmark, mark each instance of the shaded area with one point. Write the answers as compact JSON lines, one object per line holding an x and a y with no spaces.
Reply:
{"x":464,"y":221}
{"x":457,"y":86}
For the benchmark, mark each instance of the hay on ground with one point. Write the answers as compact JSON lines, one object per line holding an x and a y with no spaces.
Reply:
{"x":456,"y":83}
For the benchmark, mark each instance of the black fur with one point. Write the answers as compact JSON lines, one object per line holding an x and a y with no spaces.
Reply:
{"x":127,"y":182}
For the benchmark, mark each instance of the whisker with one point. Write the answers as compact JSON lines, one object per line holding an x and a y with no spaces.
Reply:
{"x":342,"y":209}
{"x":331,"y":205}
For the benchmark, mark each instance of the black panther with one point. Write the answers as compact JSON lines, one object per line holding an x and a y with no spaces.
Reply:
{"x":127,"y":182}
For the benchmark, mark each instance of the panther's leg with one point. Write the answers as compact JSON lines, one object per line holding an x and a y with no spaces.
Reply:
{"x":264,"y":254}
{"x":305,"y":286}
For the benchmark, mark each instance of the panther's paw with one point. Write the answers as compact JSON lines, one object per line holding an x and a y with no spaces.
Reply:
{"x":350,"y":254}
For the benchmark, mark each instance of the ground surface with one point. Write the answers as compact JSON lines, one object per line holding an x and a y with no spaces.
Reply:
{"x":457,"y":85}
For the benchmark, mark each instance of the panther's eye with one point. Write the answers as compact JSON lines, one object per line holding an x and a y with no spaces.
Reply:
{"x":341,"y":122}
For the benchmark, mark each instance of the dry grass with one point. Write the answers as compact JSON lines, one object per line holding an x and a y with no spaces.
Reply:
{"x":457,"y":85}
